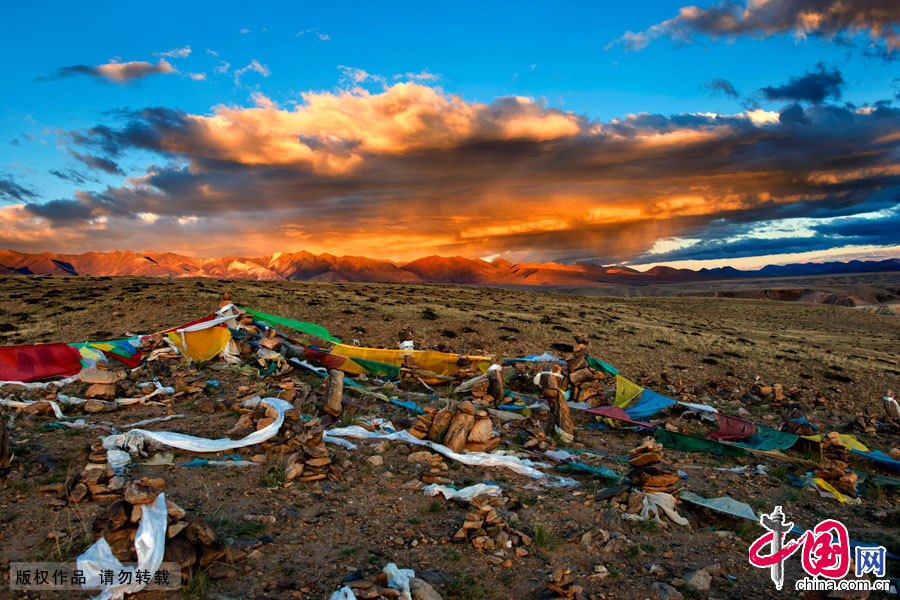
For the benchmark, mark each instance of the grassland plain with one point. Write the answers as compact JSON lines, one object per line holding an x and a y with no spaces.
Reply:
{"x":848,"y":358}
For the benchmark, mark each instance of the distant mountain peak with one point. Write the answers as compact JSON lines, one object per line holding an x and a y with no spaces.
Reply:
{"x":305,"y":266}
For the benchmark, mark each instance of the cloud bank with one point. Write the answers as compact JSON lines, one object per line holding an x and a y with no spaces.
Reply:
{"x":412,"y":170}
{"x":876,"y":20}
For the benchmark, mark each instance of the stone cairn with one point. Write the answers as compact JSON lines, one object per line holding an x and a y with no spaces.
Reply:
{"x":583,"y":380}
{"x":311,"y":461}
{"x":302,"y":442}
{"x":559,"y":422}
{"x":649,"y":472}
{"x":795,"y":422}
{"x":486,"y":530}
{"x":833,"y":465}
{"x":538,"y":440}
{"x":190,"y":541}
{"x":437,"y":471}
{"x":96,"y":482}
{"x":463,"y":428}
{"x":560,"y":584}
{"x":465,"y":370}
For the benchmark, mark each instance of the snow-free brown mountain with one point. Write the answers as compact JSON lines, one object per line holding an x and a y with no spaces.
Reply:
{"x":305,"y":266}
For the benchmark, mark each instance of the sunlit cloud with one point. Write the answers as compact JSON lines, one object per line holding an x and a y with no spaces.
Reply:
{"x":116,"y":72}
{"x":253,"y":66}
{"x":175,"y":53}
{"x":411,"y":169}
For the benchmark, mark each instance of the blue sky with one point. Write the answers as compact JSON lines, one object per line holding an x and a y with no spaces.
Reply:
{"x":567,"y":59}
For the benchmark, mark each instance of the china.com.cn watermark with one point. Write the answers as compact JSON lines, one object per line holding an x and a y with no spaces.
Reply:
{"x":825,"y":556}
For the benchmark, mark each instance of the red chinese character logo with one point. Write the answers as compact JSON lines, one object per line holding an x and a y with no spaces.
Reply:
{"x":822,"y":555}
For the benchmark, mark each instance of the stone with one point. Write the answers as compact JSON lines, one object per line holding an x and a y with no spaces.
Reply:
{"x":635,"y":503}
{"x":78,"y":493}
{"x":181,"y":551}
{"x":664,"y":591}
{"x":699,"y":580}
{"x":645,"y":459}
{"x":101,"y":390}
{"x":173,"y":510}
{"x":176,"y":528}
{"x":422,"y":590}
{"x":482,"y":431}
{"x":467,"y":407}
{"x":121,"y":542}
{"x":199,"y":531}
{"x":462,"y":423}
{"x":439,"y":424}
{"x":97,"y":376}
{"x":38,"y":408}
{"x":334,"y":391}
{"x":98,"y":406}
{"x":213,"y":553}
{"x":495,"y":384}
{"x":114,"y":517}
{"x":221,"y":571}
{"x":376,"y":460}
{"x":421,"y":456}
{"x":143,"y":491}
{"x":293,"y":471}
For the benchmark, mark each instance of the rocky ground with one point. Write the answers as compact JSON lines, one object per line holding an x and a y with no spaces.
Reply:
{"x":283,"y":537}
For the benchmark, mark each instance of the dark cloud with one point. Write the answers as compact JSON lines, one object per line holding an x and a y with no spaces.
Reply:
{"x":10,"y":190}
{"x":146,"y":129}
{"x":835,"y":20}
{"x":98,"y":163}
{"x":115,"y":72}
{"x":721,"y":85}
{"x":814,"y":86}
{"x":879,"y":230}
{"x":73,"y":176}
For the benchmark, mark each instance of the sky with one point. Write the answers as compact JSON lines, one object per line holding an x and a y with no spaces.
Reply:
{"x":737,"y":133}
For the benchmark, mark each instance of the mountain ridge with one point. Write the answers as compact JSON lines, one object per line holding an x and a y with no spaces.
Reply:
{"x":306,"y":266}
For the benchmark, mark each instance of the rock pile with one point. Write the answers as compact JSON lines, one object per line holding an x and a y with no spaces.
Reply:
{"x":156,"y":344}
{"x":101,"y":382}
{"x":310,"y":460}
{"x":465,"y":369}
{"x":795,"y":421}
{"x":375,"y":587}
{"x":561,"y":585}
{"x":97,"y":481}
{"x":486,"y":530}
{"x":538,"y":440}
{"x":584,"y":381}
{"x":649,"y":472}
{"x":437,"y":470}
{"x":559,"y":423}
{"x":833,"y":466}
{"x":465,"y":428}
{"x":190,"y":541}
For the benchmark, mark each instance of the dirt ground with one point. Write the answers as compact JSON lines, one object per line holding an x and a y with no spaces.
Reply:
{"x":708,"y":350}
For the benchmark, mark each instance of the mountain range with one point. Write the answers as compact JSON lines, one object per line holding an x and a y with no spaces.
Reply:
{"x":305,"y":266}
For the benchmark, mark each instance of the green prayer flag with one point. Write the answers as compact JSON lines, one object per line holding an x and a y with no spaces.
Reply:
{"x":691,"y":443}
{"x":308,"y":328}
